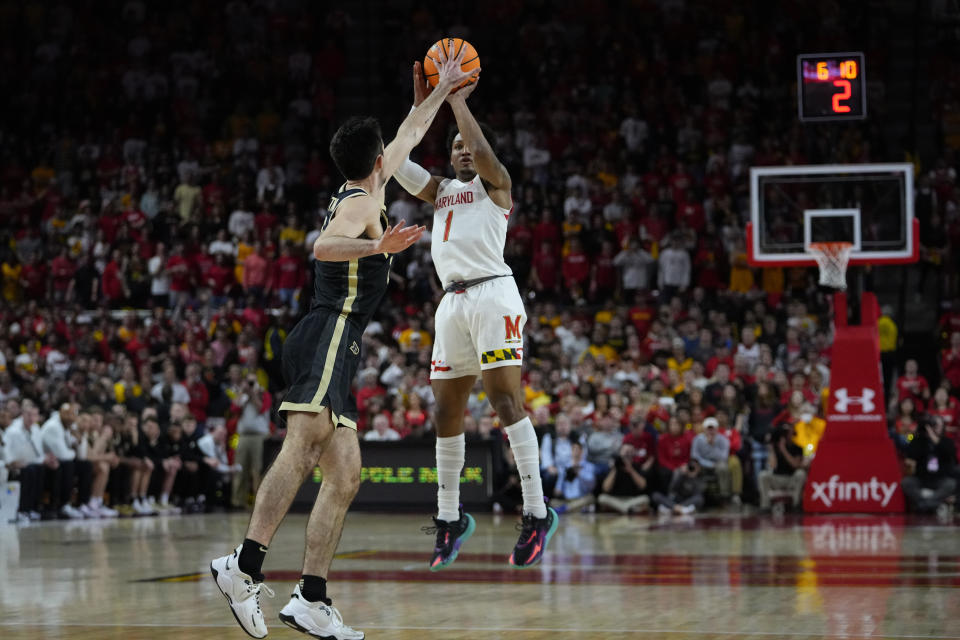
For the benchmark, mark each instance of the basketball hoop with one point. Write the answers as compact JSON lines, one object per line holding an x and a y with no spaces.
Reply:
{"x":832,"y":258}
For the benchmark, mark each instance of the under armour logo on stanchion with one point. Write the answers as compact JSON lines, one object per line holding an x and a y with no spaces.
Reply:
{"x":865,"y":400}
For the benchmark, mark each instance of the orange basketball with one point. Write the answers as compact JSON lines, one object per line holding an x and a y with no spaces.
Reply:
{"x":452,"y":47}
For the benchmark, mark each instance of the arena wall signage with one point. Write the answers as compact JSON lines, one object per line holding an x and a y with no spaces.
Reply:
{"x":403,"y":475}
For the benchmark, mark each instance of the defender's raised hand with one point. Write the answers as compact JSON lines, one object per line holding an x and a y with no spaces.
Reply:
{"x":396,"y":239}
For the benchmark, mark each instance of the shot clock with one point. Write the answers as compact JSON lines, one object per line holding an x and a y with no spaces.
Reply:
{"x":831,"y":86}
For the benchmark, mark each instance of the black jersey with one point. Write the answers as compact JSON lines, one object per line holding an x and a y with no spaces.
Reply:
{"x":354,"y":288}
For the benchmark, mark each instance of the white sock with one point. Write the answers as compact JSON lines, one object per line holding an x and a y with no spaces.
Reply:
{"x":450,"y":455}
{"x":526,"y":451}
{"x":164,"y":499}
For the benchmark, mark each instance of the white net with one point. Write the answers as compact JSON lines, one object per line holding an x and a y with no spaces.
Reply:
{"x":832,"y":258}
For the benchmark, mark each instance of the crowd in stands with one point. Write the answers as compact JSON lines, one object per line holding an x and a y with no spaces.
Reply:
{"x":168,"y":174}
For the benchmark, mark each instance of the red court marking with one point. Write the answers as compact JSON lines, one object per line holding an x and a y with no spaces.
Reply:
{"x":628,"y":569}
{"x":581,"y":577}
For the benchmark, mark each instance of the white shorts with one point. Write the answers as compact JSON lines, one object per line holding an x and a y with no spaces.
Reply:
{"x":479,"y":329}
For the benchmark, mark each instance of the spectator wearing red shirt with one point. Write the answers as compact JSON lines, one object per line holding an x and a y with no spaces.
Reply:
{"x":603,"y":274}
{"x":219,"y":278}
{"x":950,"y":321}
{"x":653,"y":228}
{"x":673,"y":450}
{"x":109,"y":221}
{"x":264,"y":222}
{"x":950,"y":361}
{"x":948,"y":408}
{"x":642,"y":315}
{"x":33,"y":279}
{"x":256,"y":274}
{"x":213,"y":195}
{"x":199,"y":394}
{"x":912,"y":385}
{"x":289,"y":277}
{"x":642,"y":441}
{"x":521,"y":233}
{"x":905,"y":424}
{"x":576,"y":269}
{"x":415,"y":416}
{"x":546,"y":230}
{"x":111,"y":284}
{"x":135,"y":220}
{"x":61,"y":272}
{"x":369,"y":388}
{"x":680,"y":183}
{"x":179,"y":271}
{"x":625,"y":229}
{"x":543,"y":276}
{"x":691,"y":212}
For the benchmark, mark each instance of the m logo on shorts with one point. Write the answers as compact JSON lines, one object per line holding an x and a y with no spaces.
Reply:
{"x":512,"y":329}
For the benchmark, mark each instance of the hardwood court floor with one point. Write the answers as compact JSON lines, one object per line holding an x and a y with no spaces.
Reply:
{"x":714,"y":576}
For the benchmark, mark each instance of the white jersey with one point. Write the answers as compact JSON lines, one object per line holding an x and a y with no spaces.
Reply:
{"x":469,"y":232}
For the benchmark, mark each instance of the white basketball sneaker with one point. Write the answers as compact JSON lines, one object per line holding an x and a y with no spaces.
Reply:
{"x":242,"y":593}
{"x":106,"y":512}
{"x":88,"y":511}
{"x":71,"y":512}
{"x":316,"y":619}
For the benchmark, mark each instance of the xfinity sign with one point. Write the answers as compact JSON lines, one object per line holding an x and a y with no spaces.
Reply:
{"x":835,"y":490}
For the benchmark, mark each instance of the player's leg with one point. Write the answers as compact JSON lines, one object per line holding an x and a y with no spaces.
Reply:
{"x":84,"y":471}
{"x":307,"y":436}
{"x":238,"y":575}
{"x":171,"y":467}
{"x":497,"y":322}
{"x":505,"y":390}
{"x":340,"y":465}
{"x":504,"y":387}
{"x":310,"y":610}
{"x":452,"y":526}
{"x":452,"y":395}
{"x":454,"y":372}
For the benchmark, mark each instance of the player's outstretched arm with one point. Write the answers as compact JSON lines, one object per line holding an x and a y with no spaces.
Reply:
{"x":340,"y":241}
{"x":488,"y":166}
{"x":415,"y":125}
{"x":416,"y":180}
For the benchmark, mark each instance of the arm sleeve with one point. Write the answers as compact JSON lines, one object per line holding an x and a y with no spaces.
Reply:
{"x":412,"y":177}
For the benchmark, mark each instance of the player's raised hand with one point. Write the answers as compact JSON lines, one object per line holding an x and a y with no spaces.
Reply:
{"x":421,"y":88}
{"x":396,"y":239}
{"x":451,"y":74}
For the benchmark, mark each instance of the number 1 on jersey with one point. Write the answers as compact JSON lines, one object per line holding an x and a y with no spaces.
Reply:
{"x":446,"y":231}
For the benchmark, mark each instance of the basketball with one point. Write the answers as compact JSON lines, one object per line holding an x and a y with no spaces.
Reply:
{"x":452,"y":47}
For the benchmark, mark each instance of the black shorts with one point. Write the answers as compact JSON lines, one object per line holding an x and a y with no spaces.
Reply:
{"x":320,"y":360}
